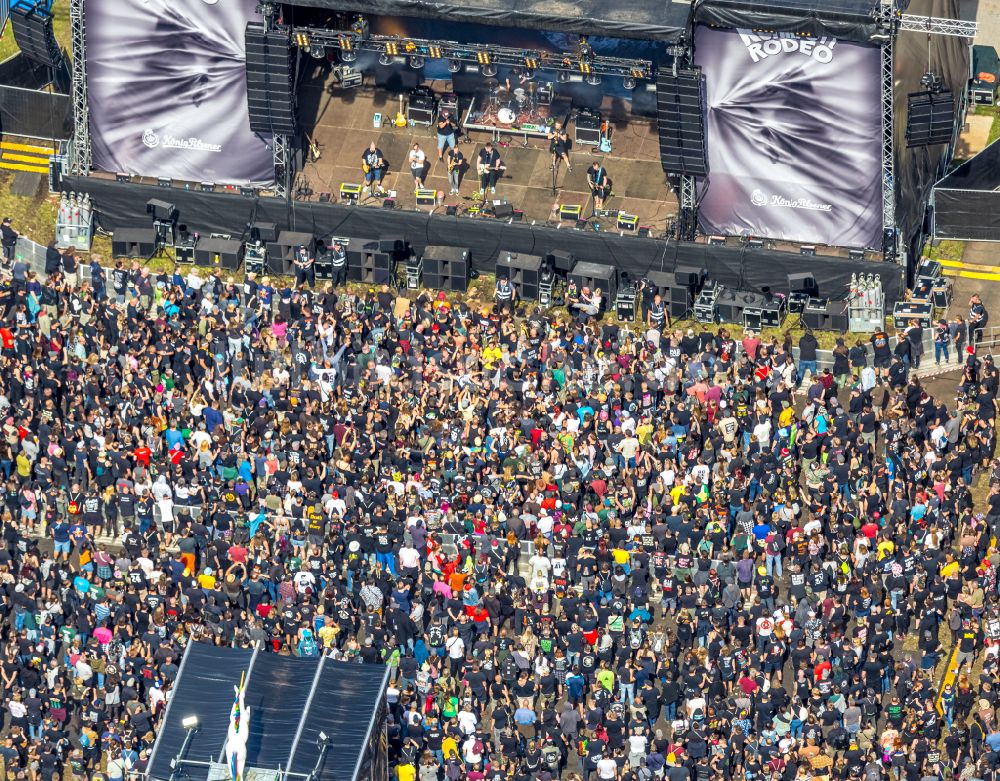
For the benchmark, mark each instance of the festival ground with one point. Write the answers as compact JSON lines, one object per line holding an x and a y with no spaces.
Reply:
{"x":343,"y":129}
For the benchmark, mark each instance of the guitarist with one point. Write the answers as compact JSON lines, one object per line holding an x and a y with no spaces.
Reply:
{"x":489,"y":168}
{"x":447,"y":131}
{"x":373,"y":165}
{"x":600,"y":184}
{"x":456,"y":164}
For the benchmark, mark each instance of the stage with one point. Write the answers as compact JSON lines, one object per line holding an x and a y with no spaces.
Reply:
{"x":340,"y":123}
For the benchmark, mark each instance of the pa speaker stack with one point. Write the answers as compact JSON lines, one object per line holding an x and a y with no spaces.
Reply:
{"x":596,"y":276}
{"x":523,"y":271}
{"x":374,"y":262}
{"x":133,"y":242}
{"x":219,"y":253}
{"x":281,"y":253}
{"x":446,"y":268}
{"x":674,"y":290}
{"x":270,"y":80}
{"x":32,"y":26}
{"x":680,"y":113}
{"x":930,"y":118}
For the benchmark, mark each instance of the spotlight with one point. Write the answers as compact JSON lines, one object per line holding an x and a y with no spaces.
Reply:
{"x":454,"y":66}
{"x":302,"y":40}
{"x":593,"y":79}
{"x":416,"y":61}
{"x":317,"y":52}
{"x":489,"y":70}
{"x":190,"y":722}
{"x":628,"y":82}
{"x":384,"y":59}
{"x":346,"y":56}
{"x":360,"y":27}
{"x":563,"y":77}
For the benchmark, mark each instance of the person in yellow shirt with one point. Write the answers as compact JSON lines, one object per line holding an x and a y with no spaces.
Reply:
{"x":606,"y":678}
{"x":207,"y":579}
{"x":406,"y":772}
{"x":449,"y":746}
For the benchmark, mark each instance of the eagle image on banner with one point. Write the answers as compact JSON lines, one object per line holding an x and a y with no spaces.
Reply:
{"x":239,"y":729}
{"x":793,"y":129}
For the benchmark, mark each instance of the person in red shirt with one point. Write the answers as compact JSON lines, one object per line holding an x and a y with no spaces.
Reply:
{"x":142,"y":455}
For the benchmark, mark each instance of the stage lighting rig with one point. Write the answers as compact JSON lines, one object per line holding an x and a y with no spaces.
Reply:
{"x":628,"y":82}
{"x":454,"y":66}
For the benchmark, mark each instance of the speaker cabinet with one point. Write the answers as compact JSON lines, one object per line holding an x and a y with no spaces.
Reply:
{"x":803,"y":283}
{"x":680,"y":114}
{"x":33,"y":33}
{"x":446,"y":268}
{"x":270,"y":67}
{"x":133,"y":242}
{"x":930,"y":118}
{"x":690,"y":276}
{"x":524,"y":272}
{"x":218,"y":253}
{"x":561,"y":261}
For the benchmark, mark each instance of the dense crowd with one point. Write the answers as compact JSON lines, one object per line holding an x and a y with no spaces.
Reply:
{"x":584,"y":552}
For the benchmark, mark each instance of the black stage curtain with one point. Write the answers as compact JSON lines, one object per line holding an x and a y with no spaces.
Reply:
{"x":120,"y":204}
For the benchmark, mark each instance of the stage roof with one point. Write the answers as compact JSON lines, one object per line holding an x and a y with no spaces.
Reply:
{"x":848,"y":19}
{"x":646,"y":19}
{"x":290,"y":700}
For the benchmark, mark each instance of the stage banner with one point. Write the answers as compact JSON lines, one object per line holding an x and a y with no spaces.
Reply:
{"x":168,"y":91}
{"x":793,"y":128}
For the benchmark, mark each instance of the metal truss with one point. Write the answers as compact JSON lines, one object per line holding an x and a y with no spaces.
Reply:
{"x":688,"y":222}
{"x":930,"y":24}
{"x":80,"y":153}
{"x":886,"y":13}
{"x":474,"y":53}
{"x":281,"y":172}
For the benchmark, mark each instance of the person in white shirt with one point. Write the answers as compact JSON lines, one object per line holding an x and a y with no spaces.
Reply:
{"x":607,"y":769}
{"x":417,"y":162}
{"x":409,"y":558}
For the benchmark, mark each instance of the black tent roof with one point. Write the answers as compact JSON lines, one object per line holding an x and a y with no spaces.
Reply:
{"x":848,"y":19}
{"x":980,"y":173}
{"x":643,"y":19}
{"x":291,"y":700}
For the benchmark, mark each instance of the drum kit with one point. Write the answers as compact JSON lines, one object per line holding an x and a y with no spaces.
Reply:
{"x":510,"y":104}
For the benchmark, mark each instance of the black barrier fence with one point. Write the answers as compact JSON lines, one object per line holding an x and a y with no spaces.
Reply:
{"x":967,"y":216}
{"x":120,"y":204}
{"x":35,"y":114}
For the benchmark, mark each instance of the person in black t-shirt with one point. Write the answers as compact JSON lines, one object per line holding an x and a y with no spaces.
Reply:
{"x":373,"y":166}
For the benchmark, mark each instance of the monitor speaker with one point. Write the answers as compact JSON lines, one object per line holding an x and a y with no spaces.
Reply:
{"x":803,"y":283}
{"x":680,"y":114}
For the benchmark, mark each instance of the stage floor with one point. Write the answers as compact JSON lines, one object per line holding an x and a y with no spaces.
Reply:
{"x":343,"y":128}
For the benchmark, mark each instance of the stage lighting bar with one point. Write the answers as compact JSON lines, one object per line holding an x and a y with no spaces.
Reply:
{"x":302,"y":40}
{"x":478,"y":54}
